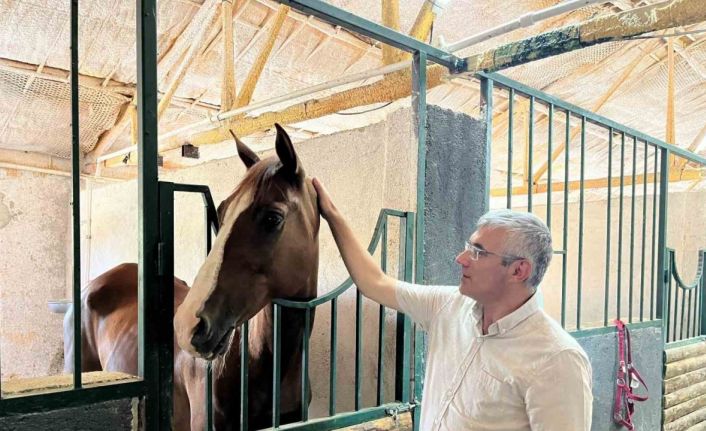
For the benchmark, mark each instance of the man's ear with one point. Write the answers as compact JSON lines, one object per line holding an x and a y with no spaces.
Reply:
{"x":521,"y":270}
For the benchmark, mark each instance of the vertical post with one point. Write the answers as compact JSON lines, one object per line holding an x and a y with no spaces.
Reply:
{"x":419,"y":104}
{"x":147,"y":222}
{"x":404,"y":324}
{"x":530,"y":151}
{"x":332,"y":358}
{"x":276,"y":371}
{"x":76,"y":195}
{"x":565,"y":236}
{"x":662,"y":231}
{"x":244,"y":377}
{"x":702,"y":297}
{"x":606,"y":295}
{"x":486,"y":106}
{"x":305,"y":366}
{"x":165,"y":252}
{"x":510,"y":127}
{"x":582,"y":177}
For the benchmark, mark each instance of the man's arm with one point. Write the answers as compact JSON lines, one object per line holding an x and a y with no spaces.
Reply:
{"x":365,"y":272}
{"x":560,"y":398}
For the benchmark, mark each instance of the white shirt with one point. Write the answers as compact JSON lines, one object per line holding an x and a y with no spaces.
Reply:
{"x":527,"y":373}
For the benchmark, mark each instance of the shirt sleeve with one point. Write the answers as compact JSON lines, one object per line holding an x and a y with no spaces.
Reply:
{"x":560,"y":396}
{"x":422,"y":303}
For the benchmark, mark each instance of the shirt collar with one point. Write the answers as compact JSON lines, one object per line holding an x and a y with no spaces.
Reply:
{"x":510,"y":321}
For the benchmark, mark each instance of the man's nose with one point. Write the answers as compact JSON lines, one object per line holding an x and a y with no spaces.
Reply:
{"x":463,"y":259}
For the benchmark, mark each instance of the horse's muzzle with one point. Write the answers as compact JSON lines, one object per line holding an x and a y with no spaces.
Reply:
{"x":210,"y":342}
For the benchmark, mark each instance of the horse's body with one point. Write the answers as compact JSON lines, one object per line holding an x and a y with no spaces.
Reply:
{"x":267,"y":248}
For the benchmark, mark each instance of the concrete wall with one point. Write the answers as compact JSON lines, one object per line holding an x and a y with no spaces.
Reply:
{"x":602,"y":349}
{"x":112,"y":415}
{"x":365,"y":170}
{"x":35,"y":233}
{"x":454,"y":190}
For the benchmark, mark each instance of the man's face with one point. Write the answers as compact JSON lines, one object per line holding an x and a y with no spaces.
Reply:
{"x":484,"y":279}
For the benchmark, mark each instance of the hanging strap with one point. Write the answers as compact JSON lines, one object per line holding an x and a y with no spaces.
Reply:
{"x":628,"y":379}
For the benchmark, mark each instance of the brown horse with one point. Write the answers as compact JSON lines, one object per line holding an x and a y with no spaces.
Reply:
{"x":267,"y":248}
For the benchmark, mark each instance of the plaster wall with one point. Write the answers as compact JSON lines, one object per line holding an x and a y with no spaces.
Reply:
{"x":35,"y":233}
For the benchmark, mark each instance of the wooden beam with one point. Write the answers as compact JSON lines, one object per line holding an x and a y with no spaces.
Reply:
{"x":397,"y":85}
{"x":422,"y":24}
{"x":670,"y":131}
{"x":228,"y":93}
{"x":614,"y":27}
{"x":391,"y":19}
{"x":189,"y":57}
{"x":599,"y":183}
{"x":258,"y":66}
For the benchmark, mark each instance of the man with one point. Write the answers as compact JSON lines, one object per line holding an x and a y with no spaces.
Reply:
{"x":495,"y":360}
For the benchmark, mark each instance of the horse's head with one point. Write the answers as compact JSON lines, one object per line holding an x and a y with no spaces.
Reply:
{"x":267,"y":247}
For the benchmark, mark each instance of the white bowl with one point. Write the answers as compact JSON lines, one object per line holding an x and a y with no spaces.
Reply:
{"x":59,"y":306}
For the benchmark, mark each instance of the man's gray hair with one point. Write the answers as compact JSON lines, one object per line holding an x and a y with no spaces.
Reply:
{"x":527,"y":237}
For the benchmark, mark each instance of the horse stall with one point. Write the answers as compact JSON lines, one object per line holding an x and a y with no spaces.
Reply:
{"x":412,"y":170}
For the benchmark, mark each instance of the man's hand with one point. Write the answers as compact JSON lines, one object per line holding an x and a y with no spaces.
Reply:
{"x":326,"y":205}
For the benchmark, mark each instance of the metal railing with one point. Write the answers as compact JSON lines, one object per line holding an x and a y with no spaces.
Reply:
{"x":684,"y":303}
{"x":634,"y":185}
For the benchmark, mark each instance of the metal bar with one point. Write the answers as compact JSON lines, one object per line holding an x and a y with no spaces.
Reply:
{"x":644,"y":238}
{"x":565,"y":239}
{"x":662,"y":232}
{"x":676,"y":300}
{"x":305,"y":365}
{"x":404,"y":324}
{"x":358,"y":349}
{"x":486,"y":102}
{"x":667,"y":315}
{"x":276,"y":367}
{"x":381,"y":353}
{"x":244,"y":376}
{"x":530,"y":145}
{"x":419,"y":363}
{"x":688,"y":316}
{"x":381,"y":322}
{"x":163,"y":321}
{"x":147,"y":222}
{"x":212,"y":226}
{"x":76,"y":196}
{"x":702,"y":301}
{"x":591,"y":117}
{"x":581,"y":216}
{"x":620,"y":223}
{"x":511,"y":103}
{"x":84,"y":396}
{"x":346,"y":419}
{"x":653,"y":243}
{"x":419,"y":105}
{"x":332,"y":358}
{"x":376,"y":31}
{"x":550,"y":131}
{"x":632,"y":230}
{"x":606,"y":295}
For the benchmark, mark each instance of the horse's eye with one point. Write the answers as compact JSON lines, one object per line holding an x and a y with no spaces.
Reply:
{"x":272,"y":220}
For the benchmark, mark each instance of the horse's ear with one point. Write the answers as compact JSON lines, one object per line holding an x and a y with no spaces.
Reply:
{"x":246,"y":154}
{"x":286,"y":153}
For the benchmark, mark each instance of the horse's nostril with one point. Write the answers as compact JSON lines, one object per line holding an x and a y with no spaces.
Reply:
{"x":200,"y":333}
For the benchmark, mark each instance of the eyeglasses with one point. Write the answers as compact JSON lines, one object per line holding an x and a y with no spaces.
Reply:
{"x":477,"y":252}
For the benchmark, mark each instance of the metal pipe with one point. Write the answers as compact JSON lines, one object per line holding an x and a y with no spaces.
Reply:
{"x":606,"y":297}
{"x":76,"y":195}
{"x":525,"y":20}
